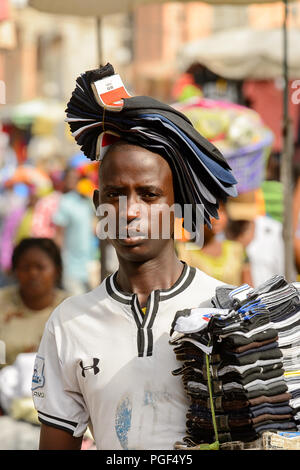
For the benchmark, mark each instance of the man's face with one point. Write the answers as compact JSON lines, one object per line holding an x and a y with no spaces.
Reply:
{"x":144,"y":181}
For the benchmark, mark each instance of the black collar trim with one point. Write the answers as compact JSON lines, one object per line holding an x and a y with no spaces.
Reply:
{"x":184,"y":280}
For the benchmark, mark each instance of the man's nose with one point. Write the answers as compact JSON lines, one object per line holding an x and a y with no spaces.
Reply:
{"x":133,"y":208}
{"x":129,"y":208}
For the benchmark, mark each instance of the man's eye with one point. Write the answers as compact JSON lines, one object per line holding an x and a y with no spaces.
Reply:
{"x":112,"y":194}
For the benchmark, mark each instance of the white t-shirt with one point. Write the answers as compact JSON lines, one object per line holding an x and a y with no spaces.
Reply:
{"x":266,"y":251}
{"x":103,"y":362}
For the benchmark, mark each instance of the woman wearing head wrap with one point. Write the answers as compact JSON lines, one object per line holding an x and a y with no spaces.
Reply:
{"x":105,"y":358}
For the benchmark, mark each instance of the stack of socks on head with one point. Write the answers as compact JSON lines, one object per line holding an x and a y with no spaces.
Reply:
{"x":239,"y":373}
{"x":202,"y":176}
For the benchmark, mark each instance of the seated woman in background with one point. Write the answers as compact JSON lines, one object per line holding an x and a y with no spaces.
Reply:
{"x":26,"y":306}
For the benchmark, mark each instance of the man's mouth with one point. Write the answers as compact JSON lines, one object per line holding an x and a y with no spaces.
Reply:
{"x":132,"y":237}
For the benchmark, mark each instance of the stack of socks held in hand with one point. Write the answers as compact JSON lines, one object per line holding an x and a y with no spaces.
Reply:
{"x":240,"y":362}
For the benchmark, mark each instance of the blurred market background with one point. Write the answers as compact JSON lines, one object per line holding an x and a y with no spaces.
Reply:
{"x":226,"y":66}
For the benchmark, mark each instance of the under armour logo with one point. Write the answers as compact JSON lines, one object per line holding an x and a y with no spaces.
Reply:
{"x":94,"y":367}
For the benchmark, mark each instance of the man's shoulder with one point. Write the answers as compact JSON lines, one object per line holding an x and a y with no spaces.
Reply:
{"x":77,"y":305}
{"x":204,"y":287}
{"x":207,"y":281}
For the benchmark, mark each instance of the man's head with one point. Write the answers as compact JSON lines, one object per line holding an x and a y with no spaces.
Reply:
{"x":145,"y":179}
{"x":201,"y":175}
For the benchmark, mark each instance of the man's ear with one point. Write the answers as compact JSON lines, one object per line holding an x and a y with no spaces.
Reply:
{"x":96,"y":198}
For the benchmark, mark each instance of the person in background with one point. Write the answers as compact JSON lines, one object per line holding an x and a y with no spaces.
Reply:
{"x":242,"y":232}
{"x":219,"y":225}
{"x":266,"y":250}
{"x":74,"y":225}
{"x":10,"y":223}
{"x":222,"y":255}
{"x":24,"y":228}
{"x":26,"y":306}
{"x":42,"y":221}
{"x":18,"y":224}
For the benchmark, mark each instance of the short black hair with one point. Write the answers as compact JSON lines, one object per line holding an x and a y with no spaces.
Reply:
{"x":235,"y":228}
{"x":47,"y":245}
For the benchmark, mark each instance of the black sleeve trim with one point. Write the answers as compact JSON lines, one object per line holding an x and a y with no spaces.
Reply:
{"x":72,"y":423}
{"x":62,"y":428}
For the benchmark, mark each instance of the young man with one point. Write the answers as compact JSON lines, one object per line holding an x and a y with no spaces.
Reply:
{"x":105,"y":358}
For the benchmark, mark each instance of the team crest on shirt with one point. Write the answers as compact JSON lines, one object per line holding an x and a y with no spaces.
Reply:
{"x":38,"y":378}
{"x":86,"y":367}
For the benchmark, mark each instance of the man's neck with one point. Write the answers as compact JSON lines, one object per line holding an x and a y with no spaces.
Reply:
{"x":142,"y":278}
